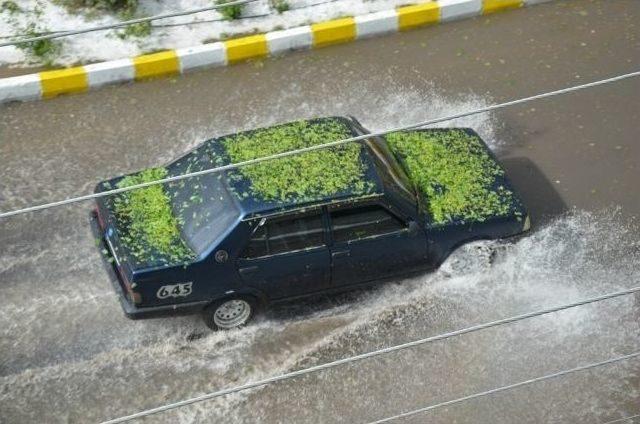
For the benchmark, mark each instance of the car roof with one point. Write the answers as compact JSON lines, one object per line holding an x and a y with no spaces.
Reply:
{"x":348,"y":172}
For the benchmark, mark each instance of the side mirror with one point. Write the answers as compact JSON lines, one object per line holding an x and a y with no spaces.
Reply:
{"x":414,"y":228}
{"x":258,"y":225}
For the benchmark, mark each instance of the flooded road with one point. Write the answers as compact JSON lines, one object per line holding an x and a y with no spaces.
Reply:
{"x":67,"y":353}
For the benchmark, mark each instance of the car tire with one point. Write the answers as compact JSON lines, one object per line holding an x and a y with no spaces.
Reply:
{"x":229,"y":313}
{"x":471,"y":258}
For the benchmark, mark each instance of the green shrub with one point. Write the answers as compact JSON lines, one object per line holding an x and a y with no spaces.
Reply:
{"x":304,"y":177}
{"x":453,"y":173}
{"x":230,"y":12}
{"x":280,"y":5}
{"x":45,"y":51}
{"x":152,"y":226}
{"x":139,"y":30}
{"x":121,"y":6}
{"x":9,"y":6}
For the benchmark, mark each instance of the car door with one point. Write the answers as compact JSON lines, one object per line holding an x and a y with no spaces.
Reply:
{"x":370,"y":242}
{"x":287,"y":256}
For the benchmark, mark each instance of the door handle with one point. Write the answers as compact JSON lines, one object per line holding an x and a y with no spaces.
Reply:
{"x":248,"y":270}
{"x":340,"y":253}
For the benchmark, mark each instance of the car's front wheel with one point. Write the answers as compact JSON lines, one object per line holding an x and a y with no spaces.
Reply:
{"x":229,"y":313}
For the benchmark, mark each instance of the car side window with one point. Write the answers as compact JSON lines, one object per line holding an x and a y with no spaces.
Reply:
{"x":363,"y":222}
{"x":257,"y":246}
{"x":286,"y":235}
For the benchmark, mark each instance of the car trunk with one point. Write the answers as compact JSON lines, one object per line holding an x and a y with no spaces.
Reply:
{"x":115,"y":228}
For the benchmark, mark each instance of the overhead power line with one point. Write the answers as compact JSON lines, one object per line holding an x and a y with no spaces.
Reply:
{"x":123,"y":23}
{"x":208,"y":21}
{"x":623,"y":419}
{"x":367,"y":355}
{"x":319,"y":146}
{"x":507,"y":387}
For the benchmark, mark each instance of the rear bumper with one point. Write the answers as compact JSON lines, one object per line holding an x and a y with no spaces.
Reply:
{"x":130,"y":310}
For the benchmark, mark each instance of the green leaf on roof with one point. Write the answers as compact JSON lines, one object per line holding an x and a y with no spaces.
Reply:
{"x":151,"y":224}
{"x":304,"y":177}
{"x":453,"y":173}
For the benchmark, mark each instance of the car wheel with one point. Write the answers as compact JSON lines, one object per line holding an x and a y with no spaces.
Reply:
{"x":470,"y":258}
{"x":229,"y":313}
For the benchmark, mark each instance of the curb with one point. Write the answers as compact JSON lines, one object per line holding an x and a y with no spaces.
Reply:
{"x":50,"y":84}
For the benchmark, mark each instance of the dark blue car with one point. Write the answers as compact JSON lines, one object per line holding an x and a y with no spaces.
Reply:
{"x":226,"y":244}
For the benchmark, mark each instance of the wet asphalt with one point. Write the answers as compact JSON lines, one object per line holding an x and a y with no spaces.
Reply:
{"x":68,"y":355}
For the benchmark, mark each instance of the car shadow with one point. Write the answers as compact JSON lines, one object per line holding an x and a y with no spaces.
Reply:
{"x":538,"y":194}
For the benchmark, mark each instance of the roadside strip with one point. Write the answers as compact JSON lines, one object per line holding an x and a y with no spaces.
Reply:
{"x":50,"y":84}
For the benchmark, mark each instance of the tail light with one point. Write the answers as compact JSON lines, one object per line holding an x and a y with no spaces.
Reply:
{"x":100,"y":219}
{"x":134,"y":297}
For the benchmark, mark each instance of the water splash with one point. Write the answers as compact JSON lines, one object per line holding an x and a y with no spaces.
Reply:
{"x":377,"y":107}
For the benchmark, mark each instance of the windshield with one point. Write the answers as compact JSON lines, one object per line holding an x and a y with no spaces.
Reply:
{"x":203,"y":206}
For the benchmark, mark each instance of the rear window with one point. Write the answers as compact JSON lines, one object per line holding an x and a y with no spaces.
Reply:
{"x":203,"y":205}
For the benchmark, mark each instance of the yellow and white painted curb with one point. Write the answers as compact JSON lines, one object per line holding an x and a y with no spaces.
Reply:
{"x":72,"y":80}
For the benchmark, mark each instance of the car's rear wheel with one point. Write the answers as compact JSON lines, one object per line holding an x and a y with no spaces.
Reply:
{"x":229,"y":313}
